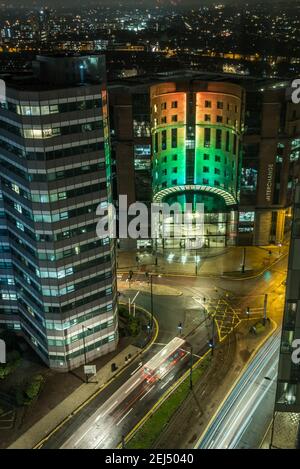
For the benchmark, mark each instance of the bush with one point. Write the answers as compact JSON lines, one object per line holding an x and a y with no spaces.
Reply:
{"x":33,"y":388}
{"x":14,"y":361}
{"x":123,"y":311}
{"x":134,"y":327}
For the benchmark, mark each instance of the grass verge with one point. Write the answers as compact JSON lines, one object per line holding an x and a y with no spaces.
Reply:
{"x":145,"y":437}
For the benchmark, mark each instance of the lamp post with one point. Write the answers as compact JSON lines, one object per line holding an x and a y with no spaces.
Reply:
{"x":196,"y":263}
{"x":244,"y":260}
{"x":212,"y":341}
{"x":84,"y":350}
{"x":151,"y":301}
{"x":191,"y":368}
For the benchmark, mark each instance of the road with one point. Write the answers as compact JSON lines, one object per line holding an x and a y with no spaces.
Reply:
{"x":245,"y":415}
{"x":119,"y":407}
{"x":201,"y":297}
{"x":104,"y":429}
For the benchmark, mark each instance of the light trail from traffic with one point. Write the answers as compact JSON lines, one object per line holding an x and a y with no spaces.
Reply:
{"x":237,"y":411}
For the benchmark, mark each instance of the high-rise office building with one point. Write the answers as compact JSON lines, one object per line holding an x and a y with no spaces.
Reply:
{"x":286,"y":425}
{"x":58,"y":279}
{"x":196,"y":130}
{"x":271,"y":151}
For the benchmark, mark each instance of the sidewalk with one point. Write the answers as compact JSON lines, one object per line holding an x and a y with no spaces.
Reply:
{"x":215,"y":262}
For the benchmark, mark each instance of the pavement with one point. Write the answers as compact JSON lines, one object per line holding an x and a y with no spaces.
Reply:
{"x":219,"y":263}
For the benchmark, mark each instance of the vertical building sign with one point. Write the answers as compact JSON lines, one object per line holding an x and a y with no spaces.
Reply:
{"x":269,"y":183}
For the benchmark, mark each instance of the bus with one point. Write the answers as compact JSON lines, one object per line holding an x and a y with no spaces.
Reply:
{"x":162,"y":362}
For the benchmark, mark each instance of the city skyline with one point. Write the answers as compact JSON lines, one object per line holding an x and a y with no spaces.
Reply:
{"x":149,"y":227}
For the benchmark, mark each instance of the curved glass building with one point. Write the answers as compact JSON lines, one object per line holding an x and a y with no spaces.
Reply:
{"x":196,"y":131}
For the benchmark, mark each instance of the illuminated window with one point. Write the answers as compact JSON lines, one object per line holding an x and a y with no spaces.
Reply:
{"x":20,"y":226}
{"x":190,"y":144}
{"x":15,"y":188}
{"x":18,"y":207}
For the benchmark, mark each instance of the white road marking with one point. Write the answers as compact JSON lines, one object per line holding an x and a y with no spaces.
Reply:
{"x":147,"y":393}
{"x":106,"y":412}
{"x":166,"y":383}
{"x":132,"y":386}
{"x":134,"y":371}
{"x":133,"y":300}
{"x":124,"y":416}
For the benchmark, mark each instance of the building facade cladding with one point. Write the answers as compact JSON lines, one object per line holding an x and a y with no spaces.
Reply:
{"x":196,"y":138}
{"x":58,"y":280}
{"x":271,"y":166}
{"x":287,"y":406}
{"x":131,"y":140}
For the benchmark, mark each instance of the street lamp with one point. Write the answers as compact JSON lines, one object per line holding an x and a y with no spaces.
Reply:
{"x":84,"y":349}
{"x":211,"y":343}
{"x":191,"y":368}
{"x":244,"y":260}
{"x":191,"y":364}
{"x":196,"y":263}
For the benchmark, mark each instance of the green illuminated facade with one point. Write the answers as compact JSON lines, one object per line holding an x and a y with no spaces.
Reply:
{"x":196,"y":132}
